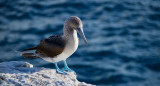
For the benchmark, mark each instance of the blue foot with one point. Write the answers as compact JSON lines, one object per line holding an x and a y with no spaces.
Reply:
{"x":66,"y":68}
{"x":61,"y":71}
{"x":58,"y":70}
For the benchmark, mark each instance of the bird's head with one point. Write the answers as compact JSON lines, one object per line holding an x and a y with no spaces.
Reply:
{"x":75,"y":23}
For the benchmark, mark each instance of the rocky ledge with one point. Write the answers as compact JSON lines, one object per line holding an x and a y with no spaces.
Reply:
{"x":19,"y":73}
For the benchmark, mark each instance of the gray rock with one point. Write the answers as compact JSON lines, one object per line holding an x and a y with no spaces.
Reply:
{"x":19,"y":73}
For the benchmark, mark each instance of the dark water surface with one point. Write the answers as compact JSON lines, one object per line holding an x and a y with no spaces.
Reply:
{"x":123,"y":37}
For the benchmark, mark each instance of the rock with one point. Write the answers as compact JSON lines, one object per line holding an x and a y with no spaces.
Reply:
{"x":19,"y":73}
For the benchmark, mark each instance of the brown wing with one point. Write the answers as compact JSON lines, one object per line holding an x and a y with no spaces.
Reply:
{"x":51,"y":46}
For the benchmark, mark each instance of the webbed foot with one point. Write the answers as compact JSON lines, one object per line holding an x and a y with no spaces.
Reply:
{"x":67,"y":69}
{"x":61,"y":71}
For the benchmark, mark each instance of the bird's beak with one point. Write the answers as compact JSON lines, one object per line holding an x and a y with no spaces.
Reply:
{"x":81,"y":33}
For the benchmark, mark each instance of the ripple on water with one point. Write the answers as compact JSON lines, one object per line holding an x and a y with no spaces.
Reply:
{"x":123,"y":37}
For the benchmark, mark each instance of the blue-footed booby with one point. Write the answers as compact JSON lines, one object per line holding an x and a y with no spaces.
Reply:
{"x":59,"y":47}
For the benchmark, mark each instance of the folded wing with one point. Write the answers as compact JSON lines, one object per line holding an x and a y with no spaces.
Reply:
{"x":51,"y":46}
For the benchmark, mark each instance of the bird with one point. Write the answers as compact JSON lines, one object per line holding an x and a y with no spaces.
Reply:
{"x":58,"y":48}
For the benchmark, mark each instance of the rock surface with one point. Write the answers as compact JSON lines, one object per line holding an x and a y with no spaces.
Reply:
{"x":19,"y":73}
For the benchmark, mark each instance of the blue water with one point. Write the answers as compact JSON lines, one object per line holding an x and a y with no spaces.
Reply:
{"x":123,"y":37}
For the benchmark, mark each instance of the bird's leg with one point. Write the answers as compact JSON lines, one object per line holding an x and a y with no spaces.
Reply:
{"x":66,"y":68}
{"x":59,"y":70}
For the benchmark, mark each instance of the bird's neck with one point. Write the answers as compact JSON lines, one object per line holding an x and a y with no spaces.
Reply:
{"x":70,"y":34}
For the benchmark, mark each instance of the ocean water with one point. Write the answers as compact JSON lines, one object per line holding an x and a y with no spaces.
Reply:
{"x":123,"y":37}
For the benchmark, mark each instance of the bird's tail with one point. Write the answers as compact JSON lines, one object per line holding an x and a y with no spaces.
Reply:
{"x":32,"y":48}
{"x":29,"y":55}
